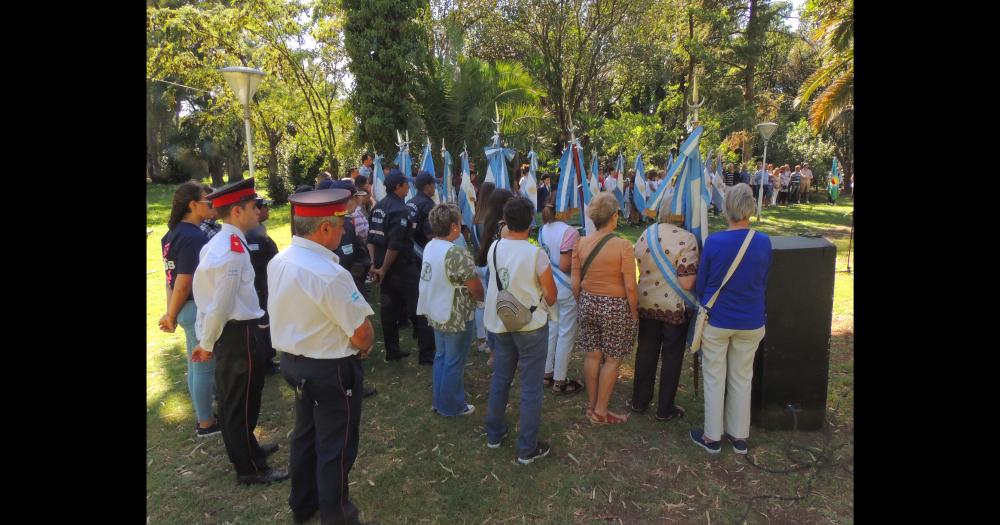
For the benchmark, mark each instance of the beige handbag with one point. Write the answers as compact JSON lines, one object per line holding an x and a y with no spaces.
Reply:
{"x":697,"y":327}
{"x":511,"y":312}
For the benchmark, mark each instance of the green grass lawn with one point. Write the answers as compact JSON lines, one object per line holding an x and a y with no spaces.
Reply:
{"x":415,"y":467}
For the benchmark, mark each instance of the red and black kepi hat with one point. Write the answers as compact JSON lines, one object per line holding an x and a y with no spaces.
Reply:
{"x":320,"y":203}
{"x":232,"y":193}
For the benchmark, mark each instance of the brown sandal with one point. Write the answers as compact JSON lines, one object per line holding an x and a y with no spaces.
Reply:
{"x":548,"y":380}
{"x":607,"y":419}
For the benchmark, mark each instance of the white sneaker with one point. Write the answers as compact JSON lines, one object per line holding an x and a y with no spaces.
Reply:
{"x":468,"y":410}
{"x":484,"y":347}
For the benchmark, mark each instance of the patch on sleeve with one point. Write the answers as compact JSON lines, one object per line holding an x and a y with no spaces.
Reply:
{"x":235,"y":244}
{"x":355,"y":296}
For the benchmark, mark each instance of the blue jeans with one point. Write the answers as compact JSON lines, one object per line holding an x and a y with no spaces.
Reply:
{"x":200,"y":376}
{"x":449,"y":370}
{"x":524,"y":351}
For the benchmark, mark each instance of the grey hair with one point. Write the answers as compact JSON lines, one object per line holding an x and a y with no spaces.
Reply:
{"x":442,"y":217}
{"x":740,"y":204}
{"x":304,"y":226}
{"x":665,"y":215}
{"x":602,"y":208}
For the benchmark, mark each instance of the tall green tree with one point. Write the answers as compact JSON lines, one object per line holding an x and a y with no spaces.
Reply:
{"x":388,"y":49}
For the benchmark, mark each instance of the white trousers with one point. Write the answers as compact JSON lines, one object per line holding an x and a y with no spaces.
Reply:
{"x":727,"y":366}
{"x":562,"y":334}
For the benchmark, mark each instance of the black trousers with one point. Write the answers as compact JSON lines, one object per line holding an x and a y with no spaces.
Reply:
{"x":239,"y":381}
{"x":398,"y":296}
{"x":656,"y":339}
{"x":328,"y":394}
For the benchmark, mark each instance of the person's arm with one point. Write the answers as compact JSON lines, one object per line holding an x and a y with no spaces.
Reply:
{"x":364,"y":339}
{"x":628,"y":279}
{"x":566,"y":262}
{"x":475,"y":287}
{"x":217,"y":312}
{"x":543,"y":269}
{"x":182,"y":288}
{"x":344,"y":306}
{"x":390,"y":258}
{"x":576,"y":273}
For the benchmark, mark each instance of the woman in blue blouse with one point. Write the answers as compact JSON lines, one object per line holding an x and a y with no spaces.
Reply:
{"x":735,"y":324}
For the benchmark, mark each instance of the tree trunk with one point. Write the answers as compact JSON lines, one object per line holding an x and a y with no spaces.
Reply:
{"x":234,"y":166}
{"x":215,"y":170}
{"x":751,"y":67}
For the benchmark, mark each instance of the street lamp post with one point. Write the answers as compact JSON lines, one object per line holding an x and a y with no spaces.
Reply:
{"x":766,"y":129}
{"x":244,"y":81}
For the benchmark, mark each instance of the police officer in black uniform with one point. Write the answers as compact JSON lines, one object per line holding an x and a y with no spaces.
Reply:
{"x":262,"y":250}
{"x":396,"y":268}
{"x":420,"y":209}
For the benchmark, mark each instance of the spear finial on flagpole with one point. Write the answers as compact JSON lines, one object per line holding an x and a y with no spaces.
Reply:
{"x":571,"y":129}
{"x":694,"y":104}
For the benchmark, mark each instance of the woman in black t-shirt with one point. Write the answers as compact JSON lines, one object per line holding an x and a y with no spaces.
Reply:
{"x":181,"y":248}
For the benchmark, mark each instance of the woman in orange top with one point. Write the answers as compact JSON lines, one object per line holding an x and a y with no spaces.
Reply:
{"x":608,"y":300}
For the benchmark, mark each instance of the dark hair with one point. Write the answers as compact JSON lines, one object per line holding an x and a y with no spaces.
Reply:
{"x":544,"y":176}
{"x":485,"y":190}
{"x":303,"y":188}
{"x":549,"y":211}
{"x":351,"y":170}
{"x":493,"y":209}
{"x":224,"y":211}
{"x":525,"y":169}
{"x":187,"y":192}
{"x":367,"y":156}
{"x":360,"y":181}
{"x":518,"y":213}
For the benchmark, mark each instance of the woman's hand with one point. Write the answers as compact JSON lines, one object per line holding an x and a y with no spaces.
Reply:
{"x":167,"y":324}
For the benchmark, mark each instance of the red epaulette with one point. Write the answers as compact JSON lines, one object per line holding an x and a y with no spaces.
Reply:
{"x":235,"y":244}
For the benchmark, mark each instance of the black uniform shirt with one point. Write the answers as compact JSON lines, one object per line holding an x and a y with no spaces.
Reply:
{"x":181,"y":248}
{"x":389,"y":229}
{"x":420,"y":210}
{"x":262,"y":250}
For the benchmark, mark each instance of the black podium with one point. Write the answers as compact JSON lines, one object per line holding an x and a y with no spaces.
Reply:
{"x":792,"y":363}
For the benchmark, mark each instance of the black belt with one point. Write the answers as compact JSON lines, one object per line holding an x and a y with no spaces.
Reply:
{"x":246,"y":322}
{"x":297,"y":357}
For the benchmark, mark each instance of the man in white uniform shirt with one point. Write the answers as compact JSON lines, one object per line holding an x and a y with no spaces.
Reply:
{"x":319,"y":321}
{"x":228,"y":312}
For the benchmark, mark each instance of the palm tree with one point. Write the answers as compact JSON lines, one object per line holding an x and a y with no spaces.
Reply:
{"x":835,"y":76}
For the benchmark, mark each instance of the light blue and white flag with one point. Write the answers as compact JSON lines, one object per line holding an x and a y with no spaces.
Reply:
{"x":594,"y":180}
{"x":467,"y":194}
{"x":446,"y":185}
{"x":427,"y":164}
{"x":617,"y":185}
{"x":405,"y":163}
{"x":378,"y":184}
{"x":639,"y":189}
{"x":685,"y":192}
{"x":497,"y":158}
{"x":571,"y":193}
{"x":530,"y":186}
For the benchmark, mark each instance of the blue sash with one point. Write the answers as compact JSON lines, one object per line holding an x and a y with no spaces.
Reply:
{"x":556,"y":272}
{"x":667,"y":269}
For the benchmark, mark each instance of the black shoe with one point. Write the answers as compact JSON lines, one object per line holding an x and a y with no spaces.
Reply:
{"x":210,"y":431}
{"x":263,"y":478}
{"x":394,"y":357}
{"x":269,"y":448}
{"x":369,"y":392}
{"x":541,"y":450}
{"x":633,"y":408}
{"x":299,"y":519}
{"x":676,"y":412}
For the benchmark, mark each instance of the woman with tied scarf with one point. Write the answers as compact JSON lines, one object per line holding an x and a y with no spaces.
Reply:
{"x":449,"y":289}
{"x":558,"y":240}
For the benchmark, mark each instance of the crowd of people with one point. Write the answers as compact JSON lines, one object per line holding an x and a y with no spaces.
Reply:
{"x":528,"y":292}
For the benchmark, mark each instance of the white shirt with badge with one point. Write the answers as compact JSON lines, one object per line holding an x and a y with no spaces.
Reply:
{"x":223,"y":286}
{"x":314,"y":304}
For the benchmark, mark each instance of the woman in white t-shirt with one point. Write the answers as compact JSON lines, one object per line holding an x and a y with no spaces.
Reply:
{"x":522,"y":269}
{"x":449,"y":289}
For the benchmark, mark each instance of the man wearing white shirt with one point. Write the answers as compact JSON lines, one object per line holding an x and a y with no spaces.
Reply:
{"x":807,"y":177}
{"x":228,"y":312}
{"x":320,"y":323}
